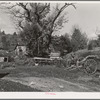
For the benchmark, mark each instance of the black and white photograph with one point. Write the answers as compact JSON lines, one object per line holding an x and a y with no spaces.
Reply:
{"x":49,"y":47}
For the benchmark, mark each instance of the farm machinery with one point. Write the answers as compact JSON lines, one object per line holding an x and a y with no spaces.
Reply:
{"x":89,"y":63}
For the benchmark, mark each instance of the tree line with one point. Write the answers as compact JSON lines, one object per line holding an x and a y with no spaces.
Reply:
{"x":8,"y":41}
{"x":37,"y":22}
{"x":63,"y":44}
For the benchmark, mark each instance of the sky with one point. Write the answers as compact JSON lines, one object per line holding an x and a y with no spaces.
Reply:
{"x":6,"y":23}
{"x":86,"y":16}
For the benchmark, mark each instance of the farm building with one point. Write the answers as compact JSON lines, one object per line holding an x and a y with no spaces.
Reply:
{"x":20,"y":49}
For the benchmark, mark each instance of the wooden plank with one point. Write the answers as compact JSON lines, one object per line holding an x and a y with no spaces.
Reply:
{"x":39,"y":58}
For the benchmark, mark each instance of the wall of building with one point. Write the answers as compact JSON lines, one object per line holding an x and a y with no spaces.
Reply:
{"x":20,"y":50}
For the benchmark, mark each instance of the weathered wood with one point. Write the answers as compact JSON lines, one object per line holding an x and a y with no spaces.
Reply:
{"x":53,"y":56}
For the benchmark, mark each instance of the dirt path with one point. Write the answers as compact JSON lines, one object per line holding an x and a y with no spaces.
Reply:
{"x":50,"y":84}
{"x":42,"y":79}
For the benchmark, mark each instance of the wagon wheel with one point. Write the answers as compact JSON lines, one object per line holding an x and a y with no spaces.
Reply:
{"x":90,"y":66}
{"x":80,"y":58}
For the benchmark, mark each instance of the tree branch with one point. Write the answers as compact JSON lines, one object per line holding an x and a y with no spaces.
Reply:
{"x":15,"y":15}
{"x":61,"y":9}
{"x":28,"y":17}
{"x":46,"y":5}
{"x":20,"y":24}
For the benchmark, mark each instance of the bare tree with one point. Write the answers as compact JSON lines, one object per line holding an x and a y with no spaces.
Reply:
{"x":41,"y":15}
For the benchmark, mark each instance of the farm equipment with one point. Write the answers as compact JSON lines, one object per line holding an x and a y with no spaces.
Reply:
{"x":89,"y":64}
{"x":53,"y":59}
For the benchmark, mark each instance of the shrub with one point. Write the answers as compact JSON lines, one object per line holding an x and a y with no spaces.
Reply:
{"x":90,"y":47}
{"x":25,"y":61}
{"x":30,"y":62}
{"x":7,"y":65}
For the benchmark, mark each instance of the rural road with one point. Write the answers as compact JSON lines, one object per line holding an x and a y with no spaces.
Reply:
{"x":50,"y":84}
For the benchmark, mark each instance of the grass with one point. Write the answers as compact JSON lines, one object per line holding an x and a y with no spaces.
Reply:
{"x":46,"y":71}
{"x":27,"y":70}
{"x":51,"y":71}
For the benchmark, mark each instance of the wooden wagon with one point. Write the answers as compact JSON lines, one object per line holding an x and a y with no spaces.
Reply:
{"x":53,"y":59}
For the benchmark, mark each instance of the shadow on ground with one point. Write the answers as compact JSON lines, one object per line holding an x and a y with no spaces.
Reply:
{"x":3,"y":75}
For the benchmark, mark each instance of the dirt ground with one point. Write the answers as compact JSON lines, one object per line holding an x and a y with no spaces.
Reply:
{"x":51,"y":84}
{"x":11,"y":86}
{"x":42,"y":79}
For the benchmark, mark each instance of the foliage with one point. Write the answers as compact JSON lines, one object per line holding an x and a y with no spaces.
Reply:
{"x":40,"y":14}
{"x":66,"y":43}
{"x":78,"y":40}
{"x":62,"y":44}
{"x":92,"y":44}
{"x":12,"y":40}
{"x":4,"y":42}
{"x":29,"y":36}
{"x":8,"y":41}
{"x":90,"y":47}
{"x":97,"y":41}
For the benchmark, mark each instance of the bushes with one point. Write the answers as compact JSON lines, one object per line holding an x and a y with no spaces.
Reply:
{"x":18,"y":62}
{"x":7,"y":64}
{"x":30,"y":62}
{"x":10,"y":59}
{"x":90,"y":45}
{"x":25,"y":61}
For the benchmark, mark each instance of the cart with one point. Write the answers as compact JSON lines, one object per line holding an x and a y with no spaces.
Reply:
{"x":89,"y":64}
{"x":54,"y":59}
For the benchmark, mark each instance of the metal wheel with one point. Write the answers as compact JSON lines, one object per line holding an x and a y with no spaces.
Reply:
{"x":90,"y":66}
{"x":80,"y":58}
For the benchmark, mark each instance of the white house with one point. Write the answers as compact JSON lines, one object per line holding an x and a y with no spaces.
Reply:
{"x":20,"y":50}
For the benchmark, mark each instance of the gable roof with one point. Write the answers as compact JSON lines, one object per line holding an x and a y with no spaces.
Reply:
{"x":19,"y":45}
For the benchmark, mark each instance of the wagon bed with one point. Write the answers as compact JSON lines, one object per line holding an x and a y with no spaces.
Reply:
{"x":41,"y":60}
{"x":51,"y":59}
